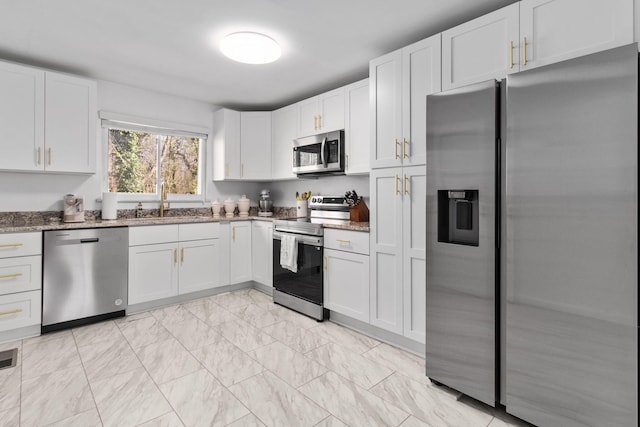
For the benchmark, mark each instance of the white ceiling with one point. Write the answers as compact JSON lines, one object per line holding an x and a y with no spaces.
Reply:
{"x":170,"y":46}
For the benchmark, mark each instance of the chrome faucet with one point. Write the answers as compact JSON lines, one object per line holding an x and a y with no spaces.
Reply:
{"x":163,"y":199}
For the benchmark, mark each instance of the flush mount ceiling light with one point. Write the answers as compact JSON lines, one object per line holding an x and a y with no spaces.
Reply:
{"x":250,"y":48}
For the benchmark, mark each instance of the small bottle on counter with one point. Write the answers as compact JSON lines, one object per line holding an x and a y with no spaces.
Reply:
{"x":139,"y":210}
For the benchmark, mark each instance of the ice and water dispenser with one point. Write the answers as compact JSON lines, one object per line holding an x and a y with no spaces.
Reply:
{"x":458,"y":217}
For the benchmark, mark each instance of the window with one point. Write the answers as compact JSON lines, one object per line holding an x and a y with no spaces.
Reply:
{"x":141,"y":157}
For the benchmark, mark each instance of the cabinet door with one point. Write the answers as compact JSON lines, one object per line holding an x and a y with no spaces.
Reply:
{"x":356,"y":129}
{"x":70,"y":128}
{"x":386,"y":249}
{"x":483,"y":49}
{"x":346,"y":284}
{"x":308,"y":117}
{"x":331,"y":110}
{"x":262,"y":252}
{"x":556,"y":30}
{"x":283,"y":132}
{"x":21,"y":117}
{"x":240,"y":252}
{"x":153,"y":272}
{"x":420,"y":77}
{"x":414,"y":212}
{"x":226,"y":145}
{"x":255,"y":145}
{"x":385,"y":103}
{"x":196,"y":259}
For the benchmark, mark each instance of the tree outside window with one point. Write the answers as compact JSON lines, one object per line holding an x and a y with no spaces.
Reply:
{"x":139,"y":161}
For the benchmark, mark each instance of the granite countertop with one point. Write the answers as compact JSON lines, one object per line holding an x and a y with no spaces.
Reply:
{"x":45,"y":225}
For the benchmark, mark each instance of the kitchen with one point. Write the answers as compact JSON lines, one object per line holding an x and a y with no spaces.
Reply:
{"x":393,"y":259}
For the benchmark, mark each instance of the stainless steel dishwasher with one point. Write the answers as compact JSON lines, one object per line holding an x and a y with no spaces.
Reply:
{"x":84,"y":276}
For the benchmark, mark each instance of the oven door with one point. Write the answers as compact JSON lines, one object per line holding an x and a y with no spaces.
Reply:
{"x":307,"y":283}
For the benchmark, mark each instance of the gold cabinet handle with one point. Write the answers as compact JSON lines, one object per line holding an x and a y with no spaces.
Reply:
{"x":39,"y":155}
{"x":242,"y":171}
{"x":343,"y":241}
{"x":319,"y":121}
{"x":511,"y":54}
{"x":397,"y":191}
{"x":175,"y":256}
{"x":406,"y":187}
{"x":11,"y":245}
{"x":315,"y":122}
{"x":233,"y":233}
{"x":49,"y":162}
{"x":226,"y":169}
{"x":4,"y":313}
{"x":324,"y":263}
{"x":182,"y":256}
{"x":396,"y":144}
{"x":7,"y":276}
{"x":404,"y":148}
{"x":524,"y":51}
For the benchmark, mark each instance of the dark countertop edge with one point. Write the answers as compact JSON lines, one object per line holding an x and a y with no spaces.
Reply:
{"x":353,"y":226}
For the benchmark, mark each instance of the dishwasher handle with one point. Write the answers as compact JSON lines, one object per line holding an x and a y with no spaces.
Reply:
{"x":90,"y":240}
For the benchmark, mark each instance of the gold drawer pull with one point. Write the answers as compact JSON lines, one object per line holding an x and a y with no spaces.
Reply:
{"x":6,"y":276}
{"x":11,"y":245}
{"x":343,"y":241}
{"x":4,"y":313}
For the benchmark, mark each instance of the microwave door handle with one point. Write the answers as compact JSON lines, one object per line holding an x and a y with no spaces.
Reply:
{"x":323,"y":147}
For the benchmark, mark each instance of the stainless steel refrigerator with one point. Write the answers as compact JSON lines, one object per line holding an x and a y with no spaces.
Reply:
{"x":532,"y":296}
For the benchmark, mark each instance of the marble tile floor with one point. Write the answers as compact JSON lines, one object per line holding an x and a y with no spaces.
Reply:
{"x":233,"y":359}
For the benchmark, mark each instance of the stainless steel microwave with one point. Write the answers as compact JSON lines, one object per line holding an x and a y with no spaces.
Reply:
{"x":319,"y":154}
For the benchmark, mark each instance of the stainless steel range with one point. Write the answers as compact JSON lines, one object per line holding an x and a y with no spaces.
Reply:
{"x":302,"y":290}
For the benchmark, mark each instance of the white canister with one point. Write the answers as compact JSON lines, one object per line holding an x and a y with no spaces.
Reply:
{"x":243,"y":206}
{"x":215,"y":209}
{"x":229,"y":207}
{"x":109,"y":206}
{"x":301,"y":208}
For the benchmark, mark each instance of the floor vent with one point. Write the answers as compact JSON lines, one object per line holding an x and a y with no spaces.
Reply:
{"x":8,"y":358}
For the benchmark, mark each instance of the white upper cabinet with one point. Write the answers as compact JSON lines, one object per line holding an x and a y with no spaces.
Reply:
{"x":556,"y":30}
{"x":255,"y":145}
{"x":356,"y":127}
{"x":226,"y":145}
{"x":482,"y":49}
{"x":399,"y":84}
{"x":420,"y":77}
{"x":385,"y":105}
{"x":322,"y":113}
{"x":21,"y":117}
{"x":283,"y":132}
{"x":241,"y":145}
{"x":47,"y":121}
{"x":70,"y":130}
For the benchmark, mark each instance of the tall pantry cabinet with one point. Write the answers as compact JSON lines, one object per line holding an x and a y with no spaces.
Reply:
{"x":399,"y":84}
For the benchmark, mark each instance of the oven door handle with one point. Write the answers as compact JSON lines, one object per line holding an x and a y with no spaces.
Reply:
{"x":323,"y":148}
{"x":301,"y":238}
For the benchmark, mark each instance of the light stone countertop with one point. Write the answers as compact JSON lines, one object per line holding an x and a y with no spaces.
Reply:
{"x":133,"y":222}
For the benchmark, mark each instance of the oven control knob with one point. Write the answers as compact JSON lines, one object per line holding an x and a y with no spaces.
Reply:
{"x":313,"y":200}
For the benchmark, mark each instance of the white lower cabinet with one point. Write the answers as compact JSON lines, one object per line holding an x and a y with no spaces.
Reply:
{"x":168,"y":260}
{"x":346,"y":273}
{"x":240,"y":252}
{"x":20,"y":280}
{"x":398,"y":268}
{"x":262,"y":252}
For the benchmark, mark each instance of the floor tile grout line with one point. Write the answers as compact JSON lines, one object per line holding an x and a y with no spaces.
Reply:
{"x":86,"y":375}
{"x":382,"y":380}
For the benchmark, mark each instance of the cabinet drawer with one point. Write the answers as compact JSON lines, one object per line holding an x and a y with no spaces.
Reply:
{"x":20,"y":274}
{"x":20,"y":310}
{"x":20,"y":244}
{"x":152,"y":234}
{"x":201,"y":231}
{"x":348,"y":241}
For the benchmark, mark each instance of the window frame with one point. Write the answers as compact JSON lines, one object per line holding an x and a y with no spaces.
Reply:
{"x":110,"y":120}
